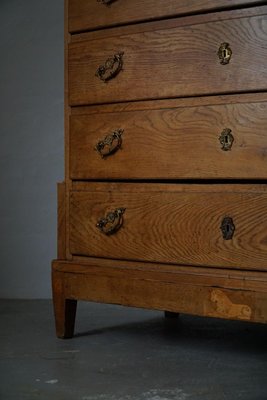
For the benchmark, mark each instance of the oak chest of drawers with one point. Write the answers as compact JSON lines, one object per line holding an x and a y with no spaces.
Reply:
{"x":164,"y":203}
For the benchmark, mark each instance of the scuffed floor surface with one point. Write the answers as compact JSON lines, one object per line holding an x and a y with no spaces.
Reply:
{"x":128,"y":354}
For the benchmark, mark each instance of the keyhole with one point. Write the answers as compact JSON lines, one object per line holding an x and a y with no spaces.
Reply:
{"x":227,"y":228}
{"x":226,"y":139}
{"x":224,"y":53}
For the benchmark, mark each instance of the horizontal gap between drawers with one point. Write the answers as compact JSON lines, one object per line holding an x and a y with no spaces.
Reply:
{"x":177,"y":181}
{"x":199,"y":95}
{"x":175,"y":16}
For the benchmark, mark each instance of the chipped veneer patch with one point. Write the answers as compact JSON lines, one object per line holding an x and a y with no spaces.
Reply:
{"x":226,"y":308}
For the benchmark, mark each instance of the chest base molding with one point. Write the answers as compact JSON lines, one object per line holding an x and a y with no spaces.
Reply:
{"x":227,"y":293}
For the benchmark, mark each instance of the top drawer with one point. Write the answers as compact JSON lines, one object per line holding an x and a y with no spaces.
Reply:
{"x":181,"y":57}
{"x":93,"y":14}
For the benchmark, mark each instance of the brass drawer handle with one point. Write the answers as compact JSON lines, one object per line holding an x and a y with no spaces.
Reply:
{"x":226,"y":139}
{"x":227,"y":228}
{"x":112,"y":222}
{"x":110,"y":144}
{"x":106,"y":2}
{"x":224,"y":53}
{"x":111,"y":68}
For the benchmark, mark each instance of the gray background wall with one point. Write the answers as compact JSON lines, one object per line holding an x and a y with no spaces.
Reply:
{"x":31,"y":143}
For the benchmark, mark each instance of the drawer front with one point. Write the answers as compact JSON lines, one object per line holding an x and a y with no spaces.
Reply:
{"x":210,"y":225}
{"x":91,"y":14}
{"x":213,"y":141}
{"x":175,"y":62}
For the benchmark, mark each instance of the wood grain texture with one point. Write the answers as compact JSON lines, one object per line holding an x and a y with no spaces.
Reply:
{"x":112,"y":285}
{"x":61,"y":221}
{"x":172,"y":143}
{"x":169,"y":253}
{"x":176,"y":62}
{"x":67,"y":112}
{"x":176,"y":225}
{"x":84,"y":14}
{"x":185,"y":274}
{"x":169,"y":23}
{"x":67,"y":109}
{"x":155,"y":187}
{"x":259,"y":97}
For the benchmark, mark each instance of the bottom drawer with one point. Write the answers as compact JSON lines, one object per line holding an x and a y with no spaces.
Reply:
{"x":216,"y":225}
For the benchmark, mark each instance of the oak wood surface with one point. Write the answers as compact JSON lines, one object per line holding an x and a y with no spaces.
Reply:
{"x":61,"y":221}
{"x":67,"y":112}
{"x":186,"y":274}
{"x":112,"y":285}
{"x":171,"y":103}
{"x":128,"y":187}
{"x":169,"y":253}
{"x":172,"y":143}
{"x":84,"y":14}
{"x":169,"y":23}
{"x":178,"y":225}
{"x":176,"y":62}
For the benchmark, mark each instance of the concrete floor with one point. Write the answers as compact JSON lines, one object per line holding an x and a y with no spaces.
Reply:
{"x":129,"y":354}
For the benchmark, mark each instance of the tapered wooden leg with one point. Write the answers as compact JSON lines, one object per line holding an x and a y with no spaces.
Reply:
{"x":64,"y":309}
{"x":65,"y":314}
{"x":169,"y":314}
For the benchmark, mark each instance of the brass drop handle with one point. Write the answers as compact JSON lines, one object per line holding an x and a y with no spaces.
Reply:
{"x":112,"y":222}
{"x":110,"y":144}
{"x":110,"y":68}
{"x":226,"y":139}
{"x":227,"y":228}
{"x":106,"y":2}
{"x":224,"y":53}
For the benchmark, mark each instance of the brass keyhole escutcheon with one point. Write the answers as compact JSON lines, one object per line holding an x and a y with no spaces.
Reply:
{"x":227,"y":228}
{"x":224,"y":53}
{"x":226,"y":139}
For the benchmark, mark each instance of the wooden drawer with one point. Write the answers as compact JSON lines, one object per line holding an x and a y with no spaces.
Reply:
{"x":176,"y":60}
{"x":178,"y":224}
{"x":91,"y":14}
{"x":168,"y":143}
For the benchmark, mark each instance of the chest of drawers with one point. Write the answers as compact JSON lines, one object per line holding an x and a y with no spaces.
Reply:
{"x":164,"y":203}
